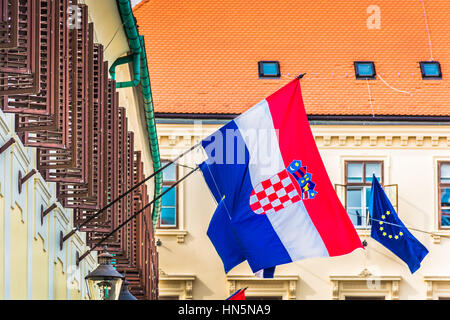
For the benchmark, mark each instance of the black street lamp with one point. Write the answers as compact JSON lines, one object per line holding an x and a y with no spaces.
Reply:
{"x":104,"y":282}
{"x":125,"y":294}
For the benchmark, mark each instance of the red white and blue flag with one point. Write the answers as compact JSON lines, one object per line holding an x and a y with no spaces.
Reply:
{"x":276,"y":203}
{"x":237,"y":295}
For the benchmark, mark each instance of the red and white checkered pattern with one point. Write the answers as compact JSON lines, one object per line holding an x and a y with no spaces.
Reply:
{"x":274,"y":194}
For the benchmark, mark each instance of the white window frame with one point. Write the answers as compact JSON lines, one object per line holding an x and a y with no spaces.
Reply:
{"x":282,"y":285}
{"x":179,"y":232}
{"x":364,"y":204}
{"x":437,"y":287}
{"x":180,"y":285}
{"x":365,"y":284}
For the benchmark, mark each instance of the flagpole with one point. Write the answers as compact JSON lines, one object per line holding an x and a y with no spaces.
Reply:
{"x":397,"y":225}
{"x":134,"y":216}
{"x":77,"y":228}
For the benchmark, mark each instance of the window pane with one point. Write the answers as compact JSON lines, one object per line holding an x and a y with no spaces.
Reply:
{"x":431,"y":69}
{"x":445,"y":173}
{"x":354,"y":207}
{"x":168,"y":216}
{"x":169,"y":198}
{"x":367,"y":193}
{"x":365,"y":69}
{"x":270,"y":68}
{"x":354,"y":198}
{"x":354,"y":172}
{"x":169,"y":173}
{"x":356,"y":217}
{"x":445,"y":218}
{"x":445,"y":197}
{"x":372,"y":168}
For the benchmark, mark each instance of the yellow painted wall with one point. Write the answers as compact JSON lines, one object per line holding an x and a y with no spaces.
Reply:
{"x":18,"y":263}
{"x":75,"y":294}
{"x":60,"y":284}
{"x":40,"y":270}
{"x":26,"y":274}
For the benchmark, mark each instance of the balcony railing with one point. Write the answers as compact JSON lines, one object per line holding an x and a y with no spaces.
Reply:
{"x":355,"y":200}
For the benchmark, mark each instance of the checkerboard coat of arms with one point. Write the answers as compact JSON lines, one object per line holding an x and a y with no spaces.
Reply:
{"x":288,"y":186}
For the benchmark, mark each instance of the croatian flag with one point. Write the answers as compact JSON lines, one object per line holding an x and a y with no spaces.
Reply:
{"x":276,"y":203}
{"x":237,"y":295}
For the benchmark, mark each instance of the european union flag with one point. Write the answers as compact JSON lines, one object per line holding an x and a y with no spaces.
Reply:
{"x":389,"y":230}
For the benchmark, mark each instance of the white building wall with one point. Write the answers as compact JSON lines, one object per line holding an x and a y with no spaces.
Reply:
{"x":410,"y":154}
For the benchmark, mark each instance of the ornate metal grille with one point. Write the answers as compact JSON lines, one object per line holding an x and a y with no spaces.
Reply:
{"x":23,"y":56}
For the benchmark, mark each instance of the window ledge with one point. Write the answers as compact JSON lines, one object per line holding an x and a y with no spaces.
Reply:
{"x":180,"y":234}
{"x":437,"y":286}
{"x":363,"y":232}
{"x":280,"y":285}
{"x":180,"y":285}
{"x":365,"y":284}
{"x":438,"y":234}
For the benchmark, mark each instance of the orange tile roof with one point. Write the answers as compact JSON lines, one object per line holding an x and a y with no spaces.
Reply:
{"x":203,"y":55}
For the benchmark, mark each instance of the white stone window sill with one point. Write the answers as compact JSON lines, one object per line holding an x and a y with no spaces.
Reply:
{"x":179,"y":234}
{"x":363,"y":232}
{"x":438,"y":234}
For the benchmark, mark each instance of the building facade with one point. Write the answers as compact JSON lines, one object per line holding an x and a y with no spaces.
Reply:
{"x":71,"y":141}
{"x":375,"y":92}
{"x":395,"y":149}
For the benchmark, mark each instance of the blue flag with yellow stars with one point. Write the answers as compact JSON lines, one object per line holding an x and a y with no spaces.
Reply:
{"x":390,"y":231}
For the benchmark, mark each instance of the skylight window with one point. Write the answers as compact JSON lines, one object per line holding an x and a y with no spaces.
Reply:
{"x":365,"y":70}
{"x":431,"y":70}
{"x":269,"y":69}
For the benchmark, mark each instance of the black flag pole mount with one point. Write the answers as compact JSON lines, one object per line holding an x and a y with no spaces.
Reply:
{"x":109,"y":205}
{"x":98,"y":244}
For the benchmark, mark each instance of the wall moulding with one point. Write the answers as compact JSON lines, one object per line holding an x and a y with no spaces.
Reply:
{"x":365,"y":284}
{"x":180,"y":285}
{"x":400,"y":141}
{"x":437,"y":287}
{"x":179,"y":234}
{"x":185,"y":138}
{"x":283,"y":285}
{"x":4,"y":129}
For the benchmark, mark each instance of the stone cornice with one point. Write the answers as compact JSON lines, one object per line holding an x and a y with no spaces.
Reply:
{"x":185,"y":284}
{"x":284,"y":285}
{"x":436,"y":283}
{"x":383,"y":140}
{"x":253,"y":277}
{"x":395,"y":136}
{"x":335,"y":140}
{"x":180,"y":234}
{"x":373,"y":284}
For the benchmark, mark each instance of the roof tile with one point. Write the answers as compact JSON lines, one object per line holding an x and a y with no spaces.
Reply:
{"x":203,"y":54}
